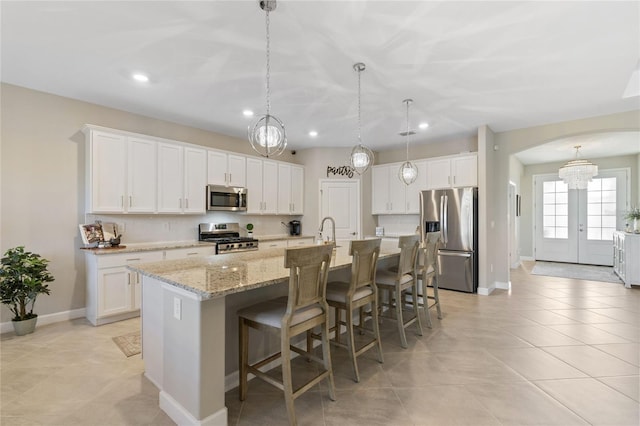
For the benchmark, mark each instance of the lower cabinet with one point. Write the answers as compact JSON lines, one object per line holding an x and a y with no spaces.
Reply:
{"x":113,"y":291}
{"x":285,"y":243}
{"x":297,"y":242}
{"x":626,"y":252}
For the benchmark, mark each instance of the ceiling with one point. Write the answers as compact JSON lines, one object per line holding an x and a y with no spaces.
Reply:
{"x":505,"y":64}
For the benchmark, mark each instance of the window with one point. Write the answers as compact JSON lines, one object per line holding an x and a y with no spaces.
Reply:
{"x":601,"y":209}
{"x":555,"y":205}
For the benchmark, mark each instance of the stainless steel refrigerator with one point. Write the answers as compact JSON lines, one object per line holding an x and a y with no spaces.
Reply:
{"x":453,"y":213}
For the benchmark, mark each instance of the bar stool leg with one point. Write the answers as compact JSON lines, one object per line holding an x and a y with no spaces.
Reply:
{"x":326,"y":359}
{"x":351,"y":343}
{"x":399,"y":318}
{"x":376,"y":328}
{"x":244,"y":357}
{"x":285,"y":350}
{"x":415,"y":306}
{"x":434,"y":283}
{"x":425,"y":301}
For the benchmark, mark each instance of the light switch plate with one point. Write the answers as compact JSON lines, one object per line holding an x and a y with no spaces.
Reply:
{"x":177,"y":308}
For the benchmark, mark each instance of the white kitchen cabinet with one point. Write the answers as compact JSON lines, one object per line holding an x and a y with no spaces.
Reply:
{"x":226,"y":169}
{"x":183,"y":253}
{"x":262,"y":186}
{"x":452,"y":172}
{"x":389,"y":192}
{"x":113,"y":292}
{"x":290,"y":189}
{"x":626,"y":252}
{"x":121,"y":173}
{"x":412,"y":192}
{"x":298,"y":242}
{"x":272,"y":244}
{"x":181,"y":179}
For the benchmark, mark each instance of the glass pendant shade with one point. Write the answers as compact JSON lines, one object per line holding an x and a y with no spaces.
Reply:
{"x":361,"y":157}
{"x":267,"y":134}
{"x":408,"y":172}
{"x":578,"y":173}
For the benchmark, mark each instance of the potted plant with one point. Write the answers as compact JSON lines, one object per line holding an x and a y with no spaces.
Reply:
{"x":249,"y":230}
{"x":634,"y":215}
{"x":22,"y":278}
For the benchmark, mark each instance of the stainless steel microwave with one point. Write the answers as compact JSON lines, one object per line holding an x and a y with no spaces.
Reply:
{"x":226,"y":198}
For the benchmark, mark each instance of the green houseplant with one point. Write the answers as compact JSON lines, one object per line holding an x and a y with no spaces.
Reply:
{"x":634,"y":215}
{"x":23,"y":276}
{"x":249,"y":229}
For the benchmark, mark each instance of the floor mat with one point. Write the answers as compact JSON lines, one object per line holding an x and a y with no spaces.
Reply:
{"x":573,"y":270}
{"x":129,"y":344}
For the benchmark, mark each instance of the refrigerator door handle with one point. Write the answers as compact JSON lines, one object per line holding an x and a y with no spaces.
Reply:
{"x":454,"y":254}
{"x":445,"y":218}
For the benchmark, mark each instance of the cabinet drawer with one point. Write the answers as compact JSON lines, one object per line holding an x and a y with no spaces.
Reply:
{"x":182,"y":253}
{"x":273,"y":244}
{"x":124,"y":259}
{"x":300,"y":242}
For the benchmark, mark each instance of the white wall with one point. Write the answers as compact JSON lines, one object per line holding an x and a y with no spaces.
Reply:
{"x":42,"y":177}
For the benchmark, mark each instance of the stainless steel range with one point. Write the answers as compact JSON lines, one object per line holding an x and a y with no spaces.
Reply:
{"x":227,"y":237}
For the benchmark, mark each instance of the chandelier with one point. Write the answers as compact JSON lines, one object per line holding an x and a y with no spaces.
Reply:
{"x":408,"y":172}
{"x":361,"y":156}
{"x":267,"y":135}
{"x":578,"y":173}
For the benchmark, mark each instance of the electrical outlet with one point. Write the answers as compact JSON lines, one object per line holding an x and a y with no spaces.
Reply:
{"x":177,"y":308}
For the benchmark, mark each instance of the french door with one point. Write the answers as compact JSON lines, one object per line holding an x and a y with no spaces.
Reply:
{"x":576,"y":226}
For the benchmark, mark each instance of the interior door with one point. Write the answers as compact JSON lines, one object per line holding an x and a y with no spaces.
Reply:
{"x":340,"y":199}
{"x":576,"y":226}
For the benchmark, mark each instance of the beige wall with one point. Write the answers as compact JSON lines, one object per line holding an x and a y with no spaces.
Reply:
{"x":518,"y":140}
{"x":420,"y":150}
{"x":42,"y":186}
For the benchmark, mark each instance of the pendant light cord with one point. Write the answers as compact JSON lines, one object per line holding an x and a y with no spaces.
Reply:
{"x":407,"y":135}
{"x":268,"y":65}
{"x":359,"y":113}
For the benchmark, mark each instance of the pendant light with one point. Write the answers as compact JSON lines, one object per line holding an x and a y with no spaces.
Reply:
{"x":408,"y":172}
{"x":361,"y":156}
{"x":267,"y":135}
{"x":578,"y":173}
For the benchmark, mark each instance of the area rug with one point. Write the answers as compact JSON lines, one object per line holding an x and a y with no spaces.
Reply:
{"x":129,"y":344}
{"x":579,"y":272}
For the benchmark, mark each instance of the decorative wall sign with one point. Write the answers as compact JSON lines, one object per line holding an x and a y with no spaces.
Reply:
{"x":340,"y":171}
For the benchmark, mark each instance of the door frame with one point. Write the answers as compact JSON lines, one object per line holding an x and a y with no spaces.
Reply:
{"x":358,"y":184}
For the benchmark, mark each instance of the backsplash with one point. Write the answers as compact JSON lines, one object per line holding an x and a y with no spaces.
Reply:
{"x":157,"y":228}
{"x":395,"y":225}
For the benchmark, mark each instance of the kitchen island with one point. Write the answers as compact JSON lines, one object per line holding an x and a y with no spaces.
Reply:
{"x":189,"y":328}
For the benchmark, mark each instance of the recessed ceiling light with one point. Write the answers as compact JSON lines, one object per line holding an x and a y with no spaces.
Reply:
{"x":313,"y":133}
{"x":247,"y":113}
{"x":423,"y":125}
{"x":142,"y":78}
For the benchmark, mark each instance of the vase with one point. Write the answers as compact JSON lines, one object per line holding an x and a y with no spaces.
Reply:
{"x":25,"y":326}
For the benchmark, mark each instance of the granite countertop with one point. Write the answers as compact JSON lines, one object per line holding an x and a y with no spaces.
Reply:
{"x":280,"y":237}
{"x":219,"y":275}
{"x":137,"y":247}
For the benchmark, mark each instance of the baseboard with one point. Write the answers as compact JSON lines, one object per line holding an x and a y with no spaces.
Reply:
{"x":485,"y":291}
{"x":503,"y":286}
{"x":6,"y":327}
{"x":182,"y":417}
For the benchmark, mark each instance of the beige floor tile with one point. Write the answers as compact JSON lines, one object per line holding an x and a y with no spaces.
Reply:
{"x":545,"y":317}
{"x":620,"y":314}
{"x":592,"y":361}
{"x":536,"y":364}
{"x":540,"y":335}
{"x":478,"y":366}
{"x":629,"y":352}
{"x":365,"y":407}
{"x":583,"y":302}
{"x":523,"y":404}
{"x":444,"y":405}
{"x":628,"y":385}
{"x":594,"y":401}
{"x":624,"y":330}
{"x":588,"y":334}
{"x":584,"y":316}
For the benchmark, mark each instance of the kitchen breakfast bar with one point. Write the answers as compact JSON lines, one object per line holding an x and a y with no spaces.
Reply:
{"x":189,"y":324}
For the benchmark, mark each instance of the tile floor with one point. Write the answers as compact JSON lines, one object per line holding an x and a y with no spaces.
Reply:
{"x":553,"y":351}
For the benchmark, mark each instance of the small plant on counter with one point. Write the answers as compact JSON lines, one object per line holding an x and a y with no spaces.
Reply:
{"x":22,"y":278}
{"x":249,"y":229}
{"x":633,"y":214}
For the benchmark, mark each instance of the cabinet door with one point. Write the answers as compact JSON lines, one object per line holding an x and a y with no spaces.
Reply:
{"x":142,"y":177}
{"x":216,"y":168}
{"x":170,"y":178}
{"x":195,"y":180}
{"x":108,"y":164}
{"x":237,"y":170}
{"x":297,"y":190}
{"x":284,"y":188}
{"x":464,"y":171}
{"x":380,"y":190}
{"x":254,"y":186}
{"x":272,"y":244}
{"x":297,"y":242}
{"x":269,"y":187}
{"x":413,"y":190}
{"x":397,"y":190}
{"x":438,"y":174}
{"x":114,"y":291}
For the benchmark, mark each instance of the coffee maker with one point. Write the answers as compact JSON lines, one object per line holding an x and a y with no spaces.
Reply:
{"x":294,"y":227}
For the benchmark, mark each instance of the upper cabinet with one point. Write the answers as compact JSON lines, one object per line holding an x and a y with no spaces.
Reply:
{"x":290,"y":189}
{"x":181,"y":179}
{"x":262,"y":186}
{"x":121,"y":173}
{"x":226,"y":169}
{"x":452,"y":172}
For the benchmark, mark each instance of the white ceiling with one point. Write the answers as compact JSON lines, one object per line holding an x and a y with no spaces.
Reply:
{"x":506,"y":64}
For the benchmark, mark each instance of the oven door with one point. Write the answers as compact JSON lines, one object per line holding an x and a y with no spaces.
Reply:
{"x":226,"y":198}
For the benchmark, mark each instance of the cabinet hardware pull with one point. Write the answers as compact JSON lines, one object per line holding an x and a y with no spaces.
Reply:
{"x":454,"y":180}
{"x":130,"y":201}
{"x":230,"y":178}
{"x":225,"y":178}
{"x":122,"y":201}
{"x":186,"y":200}
{"x":180,"y":202}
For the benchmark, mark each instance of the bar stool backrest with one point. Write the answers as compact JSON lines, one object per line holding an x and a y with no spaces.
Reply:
{"x":363,"y":267}
{"x":408,"y":245}
{"x":309,"y":270}
{"x":431,"y":250}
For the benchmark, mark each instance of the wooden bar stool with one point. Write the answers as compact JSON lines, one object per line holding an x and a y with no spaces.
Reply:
{"x":303,"y":309}
{"x":355,"y":295}
{"x":428,"y":277}
{"x":397,"y":281}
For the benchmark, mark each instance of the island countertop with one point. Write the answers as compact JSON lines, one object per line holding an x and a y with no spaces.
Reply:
{"x":219,"y":275}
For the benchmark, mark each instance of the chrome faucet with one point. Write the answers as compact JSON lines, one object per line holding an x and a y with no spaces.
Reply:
{"x":333,"y":228}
